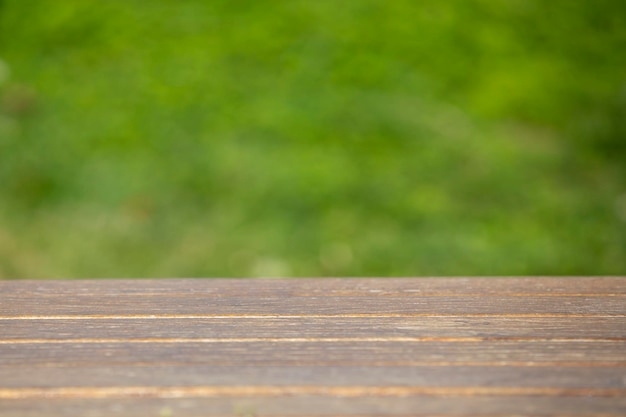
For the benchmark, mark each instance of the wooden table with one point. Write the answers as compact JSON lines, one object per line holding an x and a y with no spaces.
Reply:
{"x":314,"y":347}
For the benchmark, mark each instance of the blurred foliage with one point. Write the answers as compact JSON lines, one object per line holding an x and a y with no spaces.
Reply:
{"x":312,"y":138}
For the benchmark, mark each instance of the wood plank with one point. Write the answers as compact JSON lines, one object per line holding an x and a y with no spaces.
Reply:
{"x":323,"y":406}
{"x":207,"y":305}
{"x":312,"y":352}
{"x":508,"y":377}
{"x":315,"y":327}
{"x":483,"y":286}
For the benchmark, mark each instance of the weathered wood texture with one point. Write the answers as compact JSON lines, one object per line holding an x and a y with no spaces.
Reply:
{"x":314,"y":347}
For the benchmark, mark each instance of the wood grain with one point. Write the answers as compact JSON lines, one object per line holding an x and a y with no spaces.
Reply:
{"x":602,"y":379}
{"x":298,"y":306}
{"x":320,"y":406}
{"x":316,"y":347}
{"x":326,"y":287}
{"x":494,"y":327}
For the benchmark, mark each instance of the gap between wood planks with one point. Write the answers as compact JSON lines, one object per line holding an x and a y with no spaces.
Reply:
{"x":313,"y":339}
{"x":293,"y":316}
{"x":279,"y":391}
{"x":376,"y":364}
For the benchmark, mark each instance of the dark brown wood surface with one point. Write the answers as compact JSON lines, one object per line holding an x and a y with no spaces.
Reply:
{"x":314,"y":347}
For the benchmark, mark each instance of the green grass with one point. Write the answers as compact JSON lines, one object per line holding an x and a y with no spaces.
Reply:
{"x":312,"y":138}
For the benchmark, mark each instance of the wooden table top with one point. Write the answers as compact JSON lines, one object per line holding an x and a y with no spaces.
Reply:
{"x":314,"y":347}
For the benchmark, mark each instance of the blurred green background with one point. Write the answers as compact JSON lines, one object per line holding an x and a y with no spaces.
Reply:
{"x":312,"y":138}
